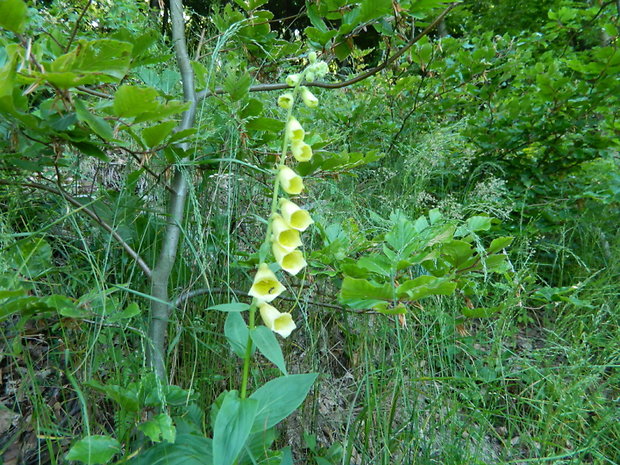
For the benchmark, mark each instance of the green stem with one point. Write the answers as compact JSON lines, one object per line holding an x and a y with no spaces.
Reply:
{"x":264,"y":249}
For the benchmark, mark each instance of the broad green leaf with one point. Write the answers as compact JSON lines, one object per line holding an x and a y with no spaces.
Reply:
{"x":131,"y":101}
{"x":423,"y":286}
{"x":499,"y":243}
{"x":232,"y":427}
{"x":188,"y":449}
{"x":361,"y":293}
{"x":230,"y":307}
{"x":268,"y":345}
{"x":91,"y":62}
{"x":237,"y":333}
{"x":155,"y":134}
{"x":279,"y":398}
{"x":264,"y":123}
{"x":65,"y":306}
{"x":7,"y":79}
{"x":94,"y":450}
{"x":13,"y":15}
{"x":159,"y":428}
{"x":474,"y":224}
{"x":457,"y":252}
{"x":91,"y":149}
{"x":125,"y":396}
{"x":403,"y":232}
{"x":497,"y":263}
{"x":96,"y":123}
{"x":379,"y":264}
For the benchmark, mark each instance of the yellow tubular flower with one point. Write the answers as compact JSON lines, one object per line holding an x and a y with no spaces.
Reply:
{"x":266,"y":286}
{"x":292,"y":79}
{"x":294,"y":130}
{"x":290,"y":181}
{"x":301,"y":151}
{"x":285,"y":100}
{"x":285,"y":236}
{"x":291,"y":261}
{"x":308,"y":97}
{"x":281,"y":323}
{"x":295,"y":217}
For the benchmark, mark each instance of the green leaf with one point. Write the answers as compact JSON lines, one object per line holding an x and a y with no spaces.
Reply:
{"x":94,"y":450}
{"x":188,"y":449}
{"x":30,"y":257}
{"x":159,"y":428}
{"x":154,"y":135}
{"x":474,"y":224}
{"x":96,"y":123}
{"x":65,"y":306}
{"x":237,"y":333}
{"x":91,"y":62}
{"x":361,"y":293}
{"x":268,"y":345}
{"x":379,"y":264}
{"x":423,"y":286}
{"x":483,"y":312}
{"x":13,"y":15}
{"x":457,"y":252}
{"x":237,"y":86}
{"x":131,"y":101}
{"x":264,"y":123}
{"x":230,"y":307}
{"x":499,"y":243}
{"x":232,"y":427}
{"x":279,"y":398}
{"x":91,"y":149}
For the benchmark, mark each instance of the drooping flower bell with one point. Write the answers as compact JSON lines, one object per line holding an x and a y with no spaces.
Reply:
{"x":301,"y":151}
{"x":309,"y":99}
{"x":295,"y":217}
{"x":293,"y":79}
{"x":266,"y":286}
{"x":285,"y":236}
{"x":290,"y":181}
{"x":286,"y":100}
{"x":280,"y":323}
{"x":291,"y":261}
{"x":294,"y":130}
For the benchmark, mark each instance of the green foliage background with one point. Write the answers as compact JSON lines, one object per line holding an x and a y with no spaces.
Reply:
{"x":461,"y":300}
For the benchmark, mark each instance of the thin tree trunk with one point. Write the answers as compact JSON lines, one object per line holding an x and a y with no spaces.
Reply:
{"x":160,"y":305}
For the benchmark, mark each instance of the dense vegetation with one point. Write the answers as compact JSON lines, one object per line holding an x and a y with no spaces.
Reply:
{"x":455,"y":299}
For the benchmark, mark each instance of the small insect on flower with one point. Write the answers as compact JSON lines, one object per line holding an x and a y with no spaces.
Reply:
{"x":266,"y":286}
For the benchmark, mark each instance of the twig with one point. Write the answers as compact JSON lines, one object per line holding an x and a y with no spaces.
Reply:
{"x":88,"y":212}
{"x":77,"y":25}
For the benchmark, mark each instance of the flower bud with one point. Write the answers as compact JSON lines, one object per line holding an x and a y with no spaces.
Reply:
{"x":285,"y":236}
{"x":285,"y":100}
{"x":301,"y":151}
{"x":308,"y":97}
{"x":312,"y":57}
{"x":294,"y":129}
{"x":295,"y":217}
{"x":320,"y":68}
{"x":290,"y":181}
{"x":310,"y":76}
{"x":293,"y":79}
{"x":280,"y":323}
{"x":266,"y":286}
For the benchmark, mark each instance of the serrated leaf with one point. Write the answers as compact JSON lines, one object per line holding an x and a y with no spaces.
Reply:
{"x":237,"y":86}
{"x":268,"y":345}
{"x":93,"y":450}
